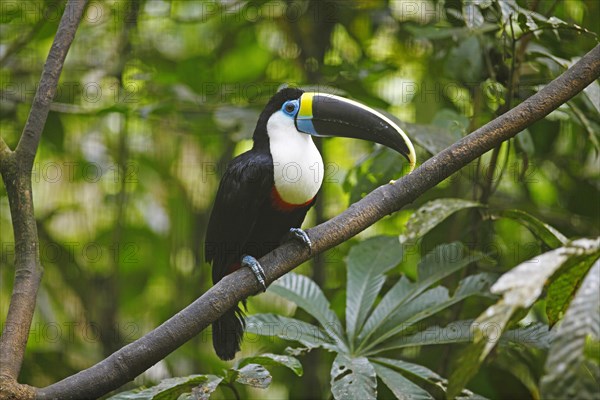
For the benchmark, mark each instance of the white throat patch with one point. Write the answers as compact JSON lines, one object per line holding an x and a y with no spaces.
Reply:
{"x":297,"y":164}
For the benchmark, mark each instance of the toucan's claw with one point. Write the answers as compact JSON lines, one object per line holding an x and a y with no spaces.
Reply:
{"x":257,"y":270}
{"x":300,"y":235}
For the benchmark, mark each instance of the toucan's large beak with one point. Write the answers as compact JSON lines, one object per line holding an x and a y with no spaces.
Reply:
{"x":323,"y":114}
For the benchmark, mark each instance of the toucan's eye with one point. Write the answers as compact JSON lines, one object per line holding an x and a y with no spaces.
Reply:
{"x":290,"y":107}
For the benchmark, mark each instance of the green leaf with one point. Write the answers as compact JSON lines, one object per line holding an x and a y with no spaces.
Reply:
{"x":167,"y":389}
{"x":522,"y":285}
{"x":477,"y":284}
{"x":472,"y":15}
{"x":421,"y":376}
{"x":442,"y":261}
{"x":353,"y":378}
{"x":562,"y":289}
{"x":402,"y":388}
{"x":455,"y":332}
{"x":409,"y":314}
{"x":512,"y":362}
{"x":546,"y":233}
{"x":534,"y":335}
{"x":416,"y":370}
{"x":367,"y":263}
{"x":432,"y":213}
{"x":285,"y":328}
{"x":465,"y":366}
{"x":568,"y":373}
{"x":254,"y":375}
{"x":592,"y":349}
{"x":520,"y":288}
{"x":377,"y":169}
{"x":430,"y":303}
{"x":436,"y":265}
{"x":206,"y":388}
{"x":274,"y":359}
{"x":308,"y":296}
{"x":396,"y":296}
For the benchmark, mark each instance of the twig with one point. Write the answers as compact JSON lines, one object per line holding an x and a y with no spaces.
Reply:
{"x":133,"y":359}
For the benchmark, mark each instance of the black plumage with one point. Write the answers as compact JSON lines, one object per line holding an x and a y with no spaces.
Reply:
{"x":247,"y":219}
{"x":258,"y":203}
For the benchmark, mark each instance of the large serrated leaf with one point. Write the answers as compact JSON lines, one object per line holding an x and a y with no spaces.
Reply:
{"x":428,"y":304}
{"x":285,"y":328}
{"x":523,"y":284}
{"x":274,"y":359}
{"x":424,"y":377}
{"x":308,"y":296}
{"x":562,"y":289}
{"x":432,"y":213}
{"x":396,"y":296}
{"x":520,"y":288}
{"x":455,"y":332}
{"x":535,"y":335}
{"x":402,"y":388}
{"x":367,"y":262}
{"x":167,"y":389}
{"x":416,"y":370}
{"x":405,"y":317}
{"x":439,"y":263}
{"x":568,"y":373}
{"x":353,"y":378}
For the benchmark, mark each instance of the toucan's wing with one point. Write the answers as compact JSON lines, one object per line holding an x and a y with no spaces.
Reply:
{"x":245,"y":186}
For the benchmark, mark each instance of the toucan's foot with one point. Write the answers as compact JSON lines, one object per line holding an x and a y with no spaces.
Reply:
{"x":257,"y":270}
{"x":299,"y":234}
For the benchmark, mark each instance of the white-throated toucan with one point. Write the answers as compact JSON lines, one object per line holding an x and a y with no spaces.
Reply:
{"x":266,"y":192}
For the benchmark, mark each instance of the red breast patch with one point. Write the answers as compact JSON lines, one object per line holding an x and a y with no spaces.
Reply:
{"x":282,"y":205}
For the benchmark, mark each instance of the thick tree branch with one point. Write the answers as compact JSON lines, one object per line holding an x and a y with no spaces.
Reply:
{"x":16,"y":174}
{"x":135,"y":358}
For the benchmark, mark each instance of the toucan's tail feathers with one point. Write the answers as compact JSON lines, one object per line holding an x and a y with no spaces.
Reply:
{"x":227,"y":333}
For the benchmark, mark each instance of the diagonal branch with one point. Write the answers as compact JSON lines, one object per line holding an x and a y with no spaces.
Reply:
{"x":30,"y":138}
{"x":135,"y":358}
{"x":16,"y":174}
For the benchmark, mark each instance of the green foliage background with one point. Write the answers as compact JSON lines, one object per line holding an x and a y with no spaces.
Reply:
{"x":157,"y":96}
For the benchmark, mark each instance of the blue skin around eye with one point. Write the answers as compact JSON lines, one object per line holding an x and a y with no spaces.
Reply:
{"x":296,"y":107}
